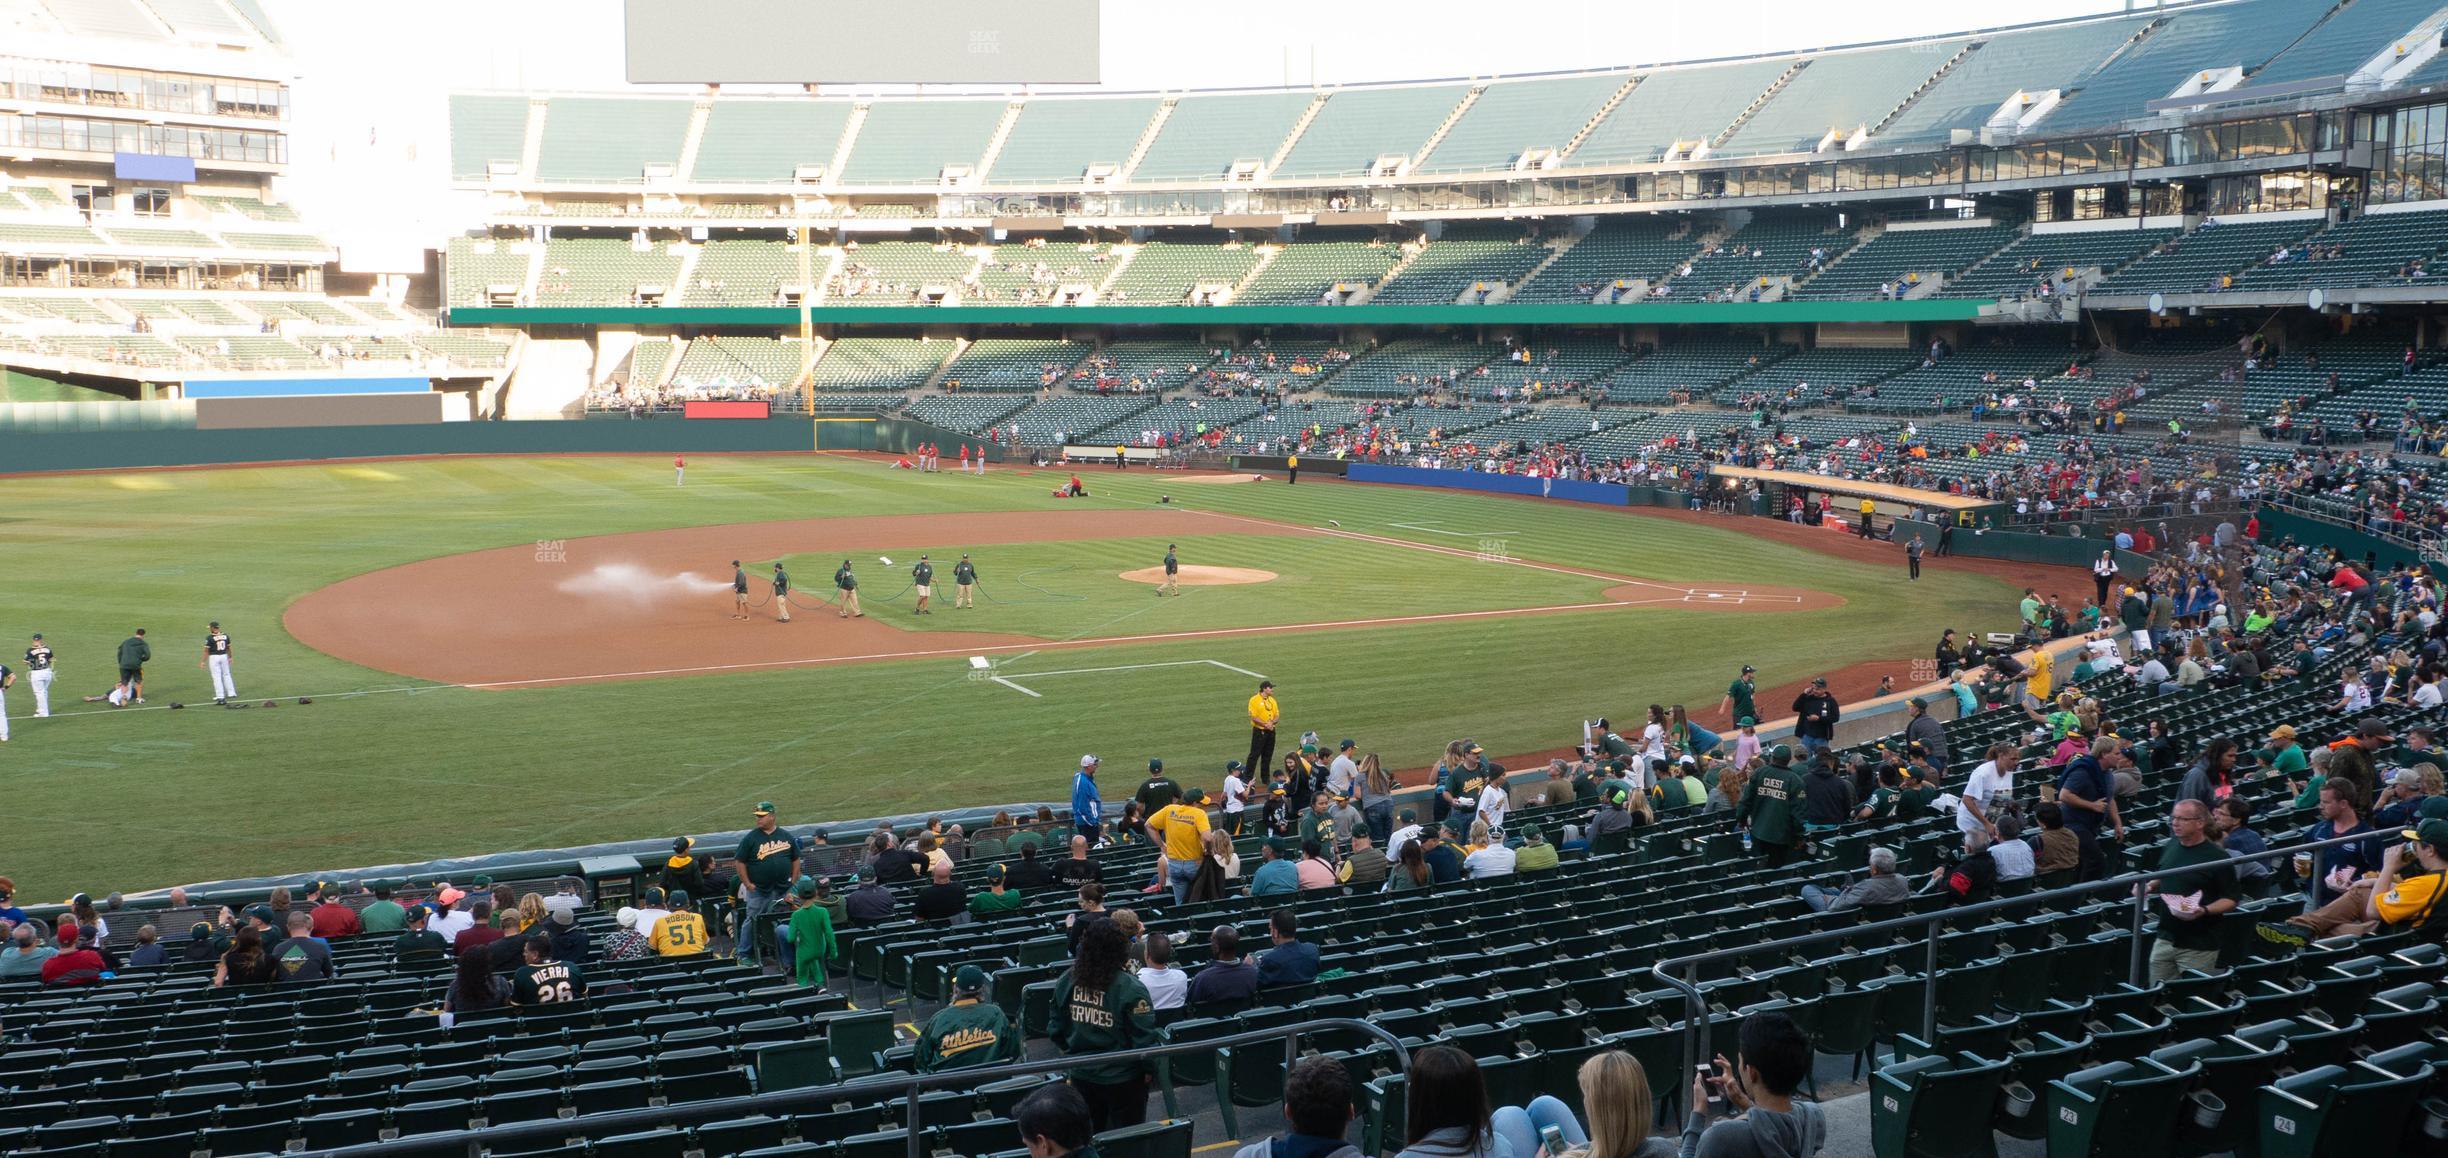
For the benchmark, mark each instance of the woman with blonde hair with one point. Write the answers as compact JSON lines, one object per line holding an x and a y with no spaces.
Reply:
{"x":1218,"y":868}
{"x":1615,"y":1089}
{"x":1478,"y":838}
{"x":531,"y":912}
{"x":1728,"y":792}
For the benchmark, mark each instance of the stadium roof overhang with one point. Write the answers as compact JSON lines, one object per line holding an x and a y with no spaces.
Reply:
{"x":1507,"y":314}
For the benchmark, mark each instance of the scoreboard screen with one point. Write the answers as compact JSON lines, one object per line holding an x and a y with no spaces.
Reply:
{"x":862,"y":42}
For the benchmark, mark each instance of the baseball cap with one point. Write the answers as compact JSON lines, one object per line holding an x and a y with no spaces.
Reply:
{"x":765,"y":808}
{"x":1346,"y":745}
{"x":262,"y":913}
{"x":1780,"y":754}
{"x":994,"y":876}
{"x":1746,"y":722}
{"x":2372,"y":729}
{"x":561,"y":916}
{"x":1819,"y":682}
{"x":969,"y":979}
{"x":1530,"y":832}
{"x":417,"y":913}
{"x":482,"y":881}
{"x":652,"y":895}
{"x":866,"y":872}
{"x":2433,"y":808}
{"x":1235,"y":766}
{"x":1195,"y":796}
{"x":2430,"y":832}
{"x":448,"y":897}
{"x":1155,"y":765}
{"x":806,"y":887}
{"x":1088,"y":761}
{"x":679,"y":899}
{"x":1919,"y":701}
{"x":1749,"y":670}
{"x":2405,"y":778}
{"x":2282,"y":732}
{"x":37,"y":635}
{"x":1277,"y":791}
{"x":1474,"y":749}
{"x":1407,"y":816}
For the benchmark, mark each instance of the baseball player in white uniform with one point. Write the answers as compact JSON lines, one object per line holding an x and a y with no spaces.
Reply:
{"x":38,"y":673}
{"x":217,"y":661}
{"x":7,"y":677}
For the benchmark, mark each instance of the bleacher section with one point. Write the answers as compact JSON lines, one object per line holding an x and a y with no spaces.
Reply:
{"x":477,"y":266}
{"x":967,"y":413}
{"x":912,"y":142}
{"x":721,"y":360}
{"x":485,"y":129}
{"x":1676,"y":105}
{"x":2014,"y":271}
{"x":1071,"y":418}
{"x":2372,"y":250}
{"x":1841,"y":92}
{"x":894,"y":273}
{"x":1359,"y":125}
{"x":2200,"y":261}
{"x":1031,"y":275}
{"x":1006,"y":364}
{"x":1547,"y":366}
{"x":1304,"y":273}
{"x":1816,"y":374}
{"x":879,"y":364}
{"x":1899,"y":255}
{"x":2031,"y":60}
{"x":1954,"y":382}
{"x":1407,"y":366}
{"x":743,"y":273}
{"x":767,"y":140}
{"x":591,"y":271}
{"x":1614,"y":251}
{"x":1764,"y":249}
{"x":1512,"y":117}
{"x":1697,"y":365}
{"x":1180,"y":418}
{"x":603,"y":140}
{"x":1478,"y":261}
{"x":1150,"y":365}
{"x":1060,"y":141}
{"x":2245,"y":33}
{"x":1166,"y":273}
{"x":1205,"y":135}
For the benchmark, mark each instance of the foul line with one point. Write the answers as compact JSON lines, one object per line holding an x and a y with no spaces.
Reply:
{"x":1017,"y":688}
{"x":1428,"y":530}
{"x":1118,"y":667}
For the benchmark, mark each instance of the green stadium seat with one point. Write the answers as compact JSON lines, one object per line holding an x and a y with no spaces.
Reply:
{"x":2118,"y":1108}
{"x":1933,"y":1106}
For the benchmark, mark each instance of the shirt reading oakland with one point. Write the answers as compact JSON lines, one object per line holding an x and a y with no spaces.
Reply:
{"x":769,"y":856}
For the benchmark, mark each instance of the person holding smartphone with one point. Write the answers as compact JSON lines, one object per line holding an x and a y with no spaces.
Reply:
{"x":1767,"y":1120}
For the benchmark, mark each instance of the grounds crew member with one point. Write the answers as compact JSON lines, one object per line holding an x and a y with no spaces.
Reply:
{"x":217,"y":662}
{"x":848,"y":583}
{"x":768,"y":862}
{"x":781,"y":594}
{"x":38,"y":673}
{"x":964,"y":583}
{"x":739,"y":591}
{"x":1172,"y":585}
{"x":922,"y":579}
{"x":969,"y":1032}
{"x":1264,"y":712}
{"x":134,"y":653}
{"x":1771,"y":807}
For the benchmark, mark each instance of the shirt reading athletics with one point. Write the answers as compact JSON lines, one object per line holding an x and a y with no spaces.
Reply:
{"x":768,"y":856}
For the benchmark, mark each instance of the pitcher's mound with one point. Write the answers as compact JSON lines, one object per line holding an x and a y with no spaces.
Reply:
{"x":1193,"y":575}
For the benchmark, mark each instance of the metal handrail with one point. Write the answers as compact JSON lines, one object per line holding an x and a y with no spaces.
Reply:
{"x":906,"y":1086}
{"x":1696,"y":1022}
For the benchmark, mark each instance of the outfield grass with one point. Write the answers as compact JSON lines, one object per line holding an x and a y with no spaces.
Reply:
{"x":140,"y":799}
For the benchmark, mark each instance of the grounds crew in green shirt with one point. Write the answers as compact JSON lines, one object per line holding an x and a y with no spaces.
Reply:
{"x":1772,"y":807}
{"x":768,"y":862}
{"x":922,"y":580}
{"x":969,"y":1032}
{"x":134,"y":653}
{"x":1099,"y":1007}
{"x":964,"y":579}
{"x":847,"y":584}
{"x":1737,"y":702}
{"x":997,"y":898}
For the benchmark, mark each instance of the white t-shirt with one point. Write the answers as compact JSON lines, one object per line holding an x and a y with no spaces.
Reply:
{"x":1493,"y":861}
{"x":1402,"y":836}
{"x":2014,"y":859}
{"x":1234,"y":787}
{"x":1168,"y":988}
{"x":1985,"y":783}
{"x":1494,"y":803}
{"x":1653,"y":744}
{"x":451,"y":923}
{"x":2357,"y":696}
{"x":2428,"y":695}
{"x":1340,"y":774}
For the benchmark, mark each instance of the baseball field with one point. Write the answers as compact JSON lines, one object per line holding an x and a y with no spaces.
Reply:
{"x":521,"y":653}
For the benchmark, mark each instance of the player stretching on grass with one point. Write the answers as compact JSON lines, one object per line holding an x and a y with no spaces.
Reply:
{"x":964,"y":583}
{"x":922,"y":579}
{"x":848,"y":583}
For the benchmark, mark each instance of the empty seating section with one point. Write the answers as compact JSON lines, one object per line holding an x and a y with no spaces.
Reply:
{"x":1818,"y":373}
{"x":879,"y":364}
{"x":1552,"y":364}
{"x":737,"y":360}
{"x":648,"y":360}
{"x":2201,"y":260}
{"x":1899,"y":254}
{"x":483,"y":130}
{"x":466,"y":350}
{"x":1955,"y":381}
{"x":2014,"y":271}
{"x":1205,"y":135}
{"x":2246,"y":33}
{"x":119,"y":18}
{"x":2342,"y":43}
{"x":1358,"y":125}
{"x":2289,"y":376}
{"x":278,"y":242}
{"x":598,"y":271}
{"x":1016,"y":275}
{"x":894,"y":273}
{"x":767,"y":141}
{"x":251,"y":352}
{"x":157,"y":237}
{"x":911,"y":142}
{"x":1840,"y":92}
{"x":65,"y":309}
{"x":2372,"y":250}
{"x":1476,"y":261}
{"x":1167,"y":273}
{"x":1695,"y":365}
{"x":477,"y":267}
{"x":247,"y":207}
{"x":967,"y":413}
{"x":1305,"y":273}
{"x":1180,"y":418}
{"x":1057,"y":141}
{"x":203,"y":20}
{"x":1676,"y":105}
{"x":1001,"y":364}
{"x":1545,"y":425}
{"x":1070,"y":418}
{"x":208,"y":311}
{"x":1513,"y":117}
{"x":744,"y":273}
{"x":15,"y":235}
{"x":1615,"y":251}
{"x":601,"y":139}
{"x":1407,"y":366}
{"x":2033,"y":60}
{"x":1768,"y":247}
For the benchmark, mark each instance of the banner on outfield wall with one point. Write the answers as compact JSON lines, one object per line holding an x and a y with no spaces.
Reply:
{"x":341,"y":410}
{"x":1570,"y":490}
{"x":706,"y":409}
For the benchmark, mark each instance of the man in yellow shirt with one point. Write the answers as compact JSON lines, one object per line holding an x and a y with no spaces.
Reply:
{"x":1183,"y":825}
{"x":1264,"y":712}
{"x":2043,"y":678}
{"x":2400,"y":896}
{"x":681,"y":933}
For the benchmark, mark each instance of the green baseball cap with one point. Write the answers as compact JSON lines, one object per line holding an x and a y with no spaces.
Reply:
{"x":1530,"y":832}
{"x":765,"y":808}
{"x":482,"y":881}
{"x":806,"y":887}
{"x":2430,"y":832}
{"x":1780,"y":755}
{"x":1746,"y":722}
{"x":969,"y":979}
